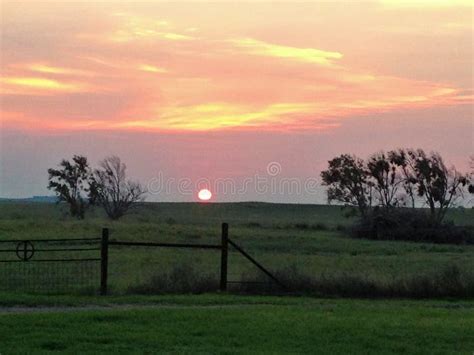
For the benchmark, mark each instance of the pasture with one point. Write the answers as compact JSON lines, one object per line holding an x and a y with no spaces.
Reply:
{"x":306,"y":241}
{"x":142,"y":315}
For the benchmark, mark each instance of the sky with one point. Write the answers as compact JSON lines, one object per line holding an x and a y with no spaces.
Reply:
{"x":249,"y":99}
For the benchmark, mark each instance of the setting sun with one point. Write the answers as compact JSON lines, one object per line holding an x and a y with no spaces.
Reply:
{"x":204,"y":195}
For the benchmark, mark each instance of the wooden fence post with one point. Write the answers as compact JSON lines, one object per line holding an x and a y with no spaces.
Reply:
{"x":104,"y":261}
{"x":224,"y":252}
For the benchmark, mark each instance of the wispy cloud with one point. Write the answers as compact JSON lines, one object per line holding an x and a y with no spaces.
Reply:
{"x":144,"y":34}
{"x":40,"y":86}
{"x":50,"y":69}
{"x":309,"y":55}
{"x":151,"y":68}
{"x":137,"y":28}
{"x":209,"y":116}
{"x":425,"y":3}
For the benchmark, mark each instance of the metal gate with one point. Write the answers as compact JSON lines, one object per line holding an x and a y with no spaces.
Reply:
{"x":50,"y":265}
{"x":81,"y":264}
{"x":223,"y":247}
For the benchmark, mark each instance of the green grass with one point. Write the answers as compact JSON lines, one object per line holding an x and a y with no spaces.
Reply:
{"x":304,"y":237}
{"x":194,"y":324}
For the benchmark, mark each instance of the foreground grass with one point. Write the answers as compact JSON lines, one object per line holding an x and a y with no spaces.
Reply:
{"x":246,"y":325}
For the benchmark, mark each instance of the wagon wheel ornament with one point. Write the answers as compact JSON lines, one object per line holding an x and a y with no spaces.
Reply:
{"x":25,"y":250}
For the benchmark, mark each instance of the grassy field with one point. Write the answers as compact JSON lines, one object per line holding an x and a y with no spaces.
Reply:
{"x":306,"y":241}
{"x":240,"y":324}
{"x":305,"y":238}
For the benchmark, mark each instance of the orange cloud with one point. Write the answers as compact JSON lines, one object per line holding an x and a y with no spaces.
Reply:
{"x":134,"y":28}
{"x":137,"y":34}
{"x":151,"y":68}
{"x":210,"y":116}
{"x":367,"y":95}
{"x":49,"y":69}
{"x":309,"y":55}
{"x":39,"y":86}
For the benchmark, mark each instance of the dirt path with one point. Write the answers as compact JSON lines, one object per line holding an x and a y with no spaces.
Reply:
{"x":111,"y":307}
{"x":61,"y":309}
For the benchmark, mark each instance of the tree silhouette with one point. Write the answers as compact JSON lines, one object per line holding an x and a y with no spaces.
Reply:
{"x":72,"y":184}
{"x":471,"y":175}
{"x":112,"y":190}
{"x":404,"y":164}
{"x":439,"y":186}
{"x":347,"y":182}
{"x":385,"y":178}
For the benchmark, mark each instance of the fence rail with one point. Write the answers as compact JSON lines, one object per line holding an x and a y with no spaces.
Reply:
{"x":52,"y":240}
{"x":166,"y":245}
{"x":25,"y":252}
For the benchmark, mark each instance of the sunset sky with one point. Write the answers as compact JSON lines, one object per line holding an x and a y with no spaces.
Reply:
{"x":220,"y":90}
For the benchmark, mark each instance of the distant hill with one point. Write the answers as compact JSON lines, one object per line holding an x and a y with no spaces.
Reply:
{"x":41,"y":199}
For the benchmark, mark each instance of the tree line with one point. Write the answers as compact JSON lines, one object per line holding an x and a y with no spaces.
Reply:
{"x":394,"y":179}
{"x":379,"y":186}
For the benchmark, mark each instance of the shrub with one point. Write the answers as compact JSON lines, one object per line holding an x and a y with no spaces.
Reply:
{"x":193,"y":236}
{"x":449,"y":282}
{"x":411,"y":225}
{"x":340,"y":228}
{"x":183,"y":278}
{"x":320,"y":226}
{"x":170,"y":221}
{"x":302,"y":226}
{"x":253,"y":225}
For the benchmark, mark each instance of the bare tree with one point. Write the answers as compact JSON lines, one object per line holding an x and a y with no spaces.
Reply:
{"x":112,"y":190}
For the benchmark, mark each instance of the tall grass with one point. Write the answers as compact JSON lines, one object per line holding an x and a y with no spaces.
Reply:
{"x":182,"y":278}
{"x":448,"y":282}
